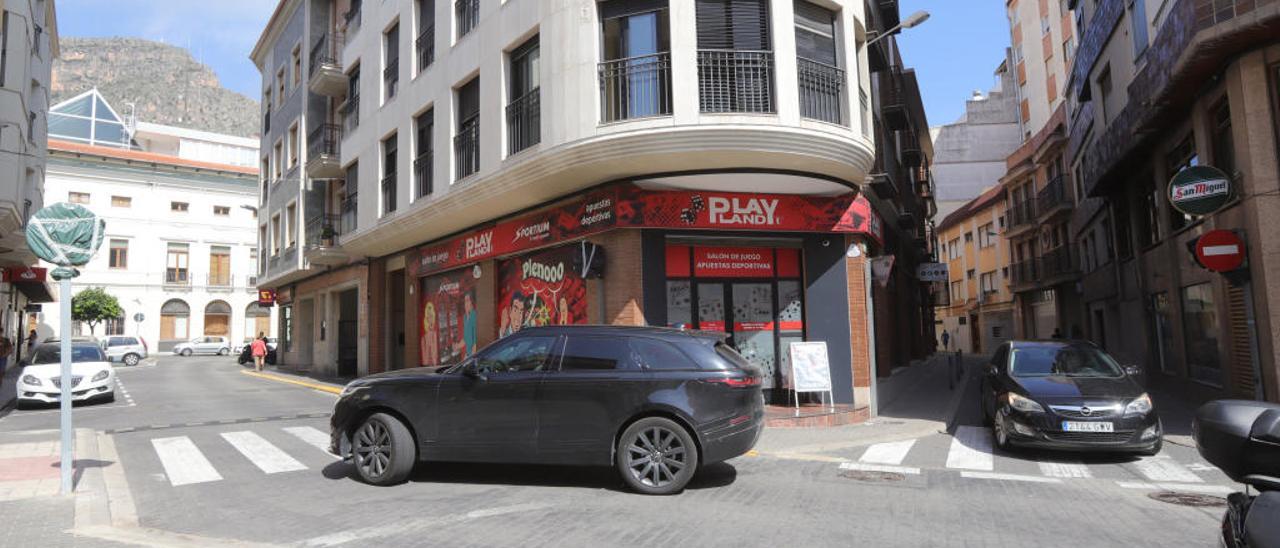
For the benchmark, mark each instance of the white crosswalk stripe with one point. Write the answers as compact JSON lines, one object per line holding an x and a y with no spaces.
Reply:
{"x":971,"y":449}
{"x":1065,"y":470}
{"x":183,"y":463}
{"x":888,"y":453}
{"x":312,"y":436}
{"x":1164,"y":468}
{"x":268,"y":458}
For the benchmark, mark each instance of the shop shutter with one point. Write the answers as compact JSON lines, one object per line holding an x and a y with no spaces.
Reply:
{"x":614,"y":9}
{"x":1241,"y":350}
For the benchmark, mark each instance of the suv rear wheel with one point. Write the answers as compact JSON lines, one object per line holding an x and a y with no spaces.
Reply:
{"x":131,"y":359}
{"x":656,"y":456}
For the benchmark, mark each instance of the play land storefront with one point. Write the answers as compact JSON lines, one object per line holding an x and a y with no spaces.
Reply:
{"x":765,"y":269}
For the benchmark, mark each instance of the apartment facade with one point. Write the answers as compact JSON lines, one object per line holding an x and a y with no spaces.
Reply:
{"x":1158,"y":87}
{"x":1044,"y":260}
{"x":977,"y":312}
{"x":969,"y":153}
{"x":683,"y":168}
{"x":28,"y":45}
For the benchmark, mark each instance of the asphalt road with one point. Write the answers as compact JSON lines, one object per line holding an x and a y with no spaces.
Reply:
{"x":213,"y":454}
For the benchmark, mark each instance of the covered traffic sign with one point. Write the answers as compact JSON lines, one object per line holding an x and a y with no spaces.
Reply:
{"x":1200,"y":190}
{"x":1220,"y":250}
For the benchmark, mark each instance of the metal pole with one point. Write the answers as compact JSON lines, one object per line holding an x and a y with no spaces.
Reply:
{"x":871,"y":333}
{"x":64,"y":298}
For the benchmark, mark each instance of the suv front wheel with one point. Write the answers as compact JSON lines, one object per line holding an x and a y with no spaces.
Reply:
{"x":383,"y":450}
{"x":131,"y":359}
{"x":656,"y":456}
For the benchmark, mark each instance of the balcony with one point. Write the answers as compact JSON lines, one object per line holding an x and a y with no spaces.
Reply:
{"x":735,"y":81}
{"x":422,"y":174}
{"x":466,"y":149}
{"x":1053,"y":199}
{"x":426,"y":46}
{"x":894,"y":111}
{"x":219,"y":280}
{"x":350,"y":111}
{"x":1058,"y":265}
{"x":821,"y":91}
{"x":322,"y":232}
{"x":908,"y":148}
{"x":524,"y":122}
{"x":323,"y":148}
{"x":635,"y":87}
{"x":177,"y":277}
{"x":389,"y":193}
{"x":884,"y":185}
{"x":1023,"y":275}
{"x":468,"y":15}
{"x":1022,"y":217}
{"x":326,"y":77}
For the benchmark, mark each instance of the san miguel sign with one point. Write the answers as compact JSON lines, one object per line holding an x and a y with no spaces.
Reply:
{"x":632,"y":207}
{"x":1200,"y":190}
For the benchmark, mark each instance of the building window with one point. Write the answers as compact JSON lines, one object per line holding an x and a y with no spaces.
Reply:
{"x":275,"y":235}
{"x":635,"y":75}
{"x":390,"y":149}
{"x":119,"y":254}
{"x":391,"y":56}
{"x":957,"y":292}
{"x":1181,"y":157}
{"x":953,"y":249}
{"x":280,"y":87}
{"x":968,"y":237}
{"x":121,"y":201}
{"x":968,"y":275}
{"x":277,"y":159}
{"x":291,"y":224}
{"x":4,"y":46}
{"x":426,"y":42}
{"x":1138,"y":18}
{"x":466,"y":144}
{"x":350,"y":109}
{"x":821,"y":79}
{"x":1224,"y":150}
{"x":296,"y":63}
{"x":986,"y":235}
{"x":179,"y":207}
{"x":988,"y":282}
{"x":468,"y":15}
{"x":177,"y":267}
{"x":1104,"y":92}
{"x":524,"y":111}
{"x":424,"y":129}
{"x":349,"y":197}
{"x":1150,"y":232}
{"x":78,"y":197}
{"x":220,"y":266}
{"x":222,"y":211}
{"x":1069,"y":49}
{"x":291,"y":149}
{"x":1201,"y":333}
{"x":735,"y":57}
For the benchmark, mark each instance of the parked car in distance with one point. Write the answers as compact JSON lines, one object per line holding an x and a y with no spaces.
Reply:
{"x":239,"y":348}
{"x":74,"y":339}
{"x":40,"y":380}
{"x":656,"y":404}
{"x":126,"y":349}
{"x":204,"y":345}
{"x":245,"y":355}
{"x":1067,"y":395}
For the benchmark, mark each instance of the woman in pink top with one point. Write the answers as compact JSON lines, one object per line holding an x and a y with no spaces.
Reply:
{"x":259,"y":350}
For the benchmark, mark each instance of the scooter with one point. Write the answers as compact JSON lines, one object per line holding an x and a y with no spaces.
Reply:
{"x":1242,"y":438}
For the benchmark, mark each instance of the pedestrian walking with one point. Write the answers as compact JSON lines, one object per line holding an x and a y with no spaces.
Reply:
{"x":6,"y":349}
{"x":1057,"y":333}
{"x":946,"y":341}
{"x":31,"y":342}
{"x":259,"y":349}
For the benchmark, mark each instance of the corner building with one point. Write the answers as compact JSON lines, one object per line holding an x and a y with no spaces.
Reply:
{"x":692,"y":163}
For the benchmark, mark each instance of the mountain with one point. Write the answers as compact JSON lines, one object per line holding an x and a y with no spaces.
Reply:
{"x":164,"y":83}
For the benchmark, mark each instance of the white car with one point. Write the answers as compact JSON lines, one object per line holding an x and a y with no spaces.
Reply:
{"x":124,"y":348}
{"x":92,"y":376}
{"x":204,"y":345}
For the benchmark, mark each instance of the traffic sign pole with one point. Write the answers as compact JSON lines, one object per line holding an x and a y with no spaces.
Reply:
{"x":64,"y":320}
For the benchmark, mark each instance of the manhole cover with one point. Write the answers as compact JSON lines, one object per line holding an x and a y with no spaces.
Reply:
{"x":871,"y":476}
{"x":1188,"y":499}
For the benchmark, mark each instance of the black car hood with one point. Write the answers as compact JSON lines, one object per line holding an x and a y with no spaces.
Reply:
{"x":1070,"y":389}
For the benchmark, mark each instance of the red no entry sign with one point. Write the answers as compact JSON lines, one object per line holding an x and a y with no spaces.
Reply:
{"x":1220,"y":250}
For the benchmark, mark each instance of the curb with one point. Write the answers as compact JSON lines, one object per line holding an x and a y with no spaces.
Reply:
{"x":312,"y":385}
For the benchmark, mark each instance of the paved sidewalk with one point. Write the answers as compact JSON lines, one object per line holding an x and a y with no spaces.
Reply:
{"x":9,"y":389}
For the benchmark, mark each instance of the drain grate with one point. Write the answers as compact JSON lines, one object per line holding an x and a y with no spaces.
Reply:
{"x":871,"y":476}
{"x":1188,"y":499}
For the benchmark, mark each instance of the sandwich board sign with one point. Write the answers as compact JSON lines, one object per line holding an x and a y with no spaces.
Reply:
{"x":810,"y":369}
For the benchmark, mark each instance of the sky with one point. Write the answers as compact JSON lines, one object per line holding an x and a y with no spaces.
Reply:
{"x":954,"y":53}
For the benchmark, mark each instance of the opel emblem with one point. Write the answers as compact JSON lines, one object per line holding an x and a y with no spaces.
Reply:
{"x":1086,"y":411}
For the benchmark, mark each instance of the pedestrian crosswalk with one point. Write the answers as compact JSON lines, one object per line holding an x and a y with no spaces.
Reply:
{"x":185,"y":463}
{"x":969,"y":452}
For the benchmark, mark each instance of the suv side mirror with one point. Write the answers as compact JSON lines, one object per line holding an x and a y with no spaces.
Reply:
{"x":1132,"y":370}
{"x":471,"y":370}
{"x":992,"y":370}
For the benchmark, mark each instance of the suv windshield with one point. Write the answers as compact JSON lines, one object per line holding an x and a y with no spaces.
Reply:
{"x":79,"y":353}
{"x":1066,"y":360}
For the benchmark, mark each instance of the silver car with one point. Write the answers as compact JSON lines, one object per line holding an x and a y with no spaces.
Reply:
{"x":204,"y":345}
{"x":126,"y":349}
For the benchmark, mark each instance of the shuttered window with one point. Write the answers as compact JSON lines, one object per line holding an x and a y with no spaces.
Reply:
{"x":815,"y":33}
{"x":735,"y":61}
{"x":733,"y":24}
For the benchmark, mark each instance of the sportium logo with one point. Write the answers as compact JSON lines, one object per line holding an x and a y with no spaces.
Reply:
{"x":478,"y":245}
{"x":740,"y":211}
{"x":1201,"y":189}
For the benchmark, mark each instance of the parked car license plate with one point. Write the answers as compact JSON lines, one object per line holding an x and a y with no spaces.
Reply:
{"x":1073,"y":426}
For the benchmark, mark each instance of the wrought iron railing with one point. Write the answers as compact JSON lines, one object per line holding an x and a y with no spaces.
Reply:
{"x":325,"y":53}
{"x":735,"y":81}
{"x":466,"y":148}
{"x":177,"y":276}
{"x":821,"y":91}
{"x":1022,"y":213}
{"x":391,"y":76}
{"x":1059,"y":261}
{"x":524,"y":122}
{"x":350,"y":111}
{"x":350,"y":204}
{"x":1053,"y":195}
{"x":468,"y":14}
{"x":422,"y":170}
{"x":426,"y":46}
{"x":635,"y":87}
{"x":324,"y":140}
{"x":323,"y":230}
{"x":1023,"y":273}
{"x":389,"y":192}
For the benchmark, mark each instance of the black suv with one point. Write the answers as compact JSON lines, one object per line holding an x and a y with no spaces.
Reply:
{"x":654,"y":403}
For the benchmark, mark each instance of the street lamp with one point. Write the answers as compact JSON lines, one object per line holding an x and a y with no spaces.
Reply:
{"x":911,"y":21}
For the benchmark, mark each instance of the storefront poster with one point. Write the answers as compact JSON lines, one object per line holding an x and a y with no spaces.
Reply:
{"x":810,"y":366}
{"x":449,"y":320}
{"x":732,"y":262}
{"x":540,"y":289}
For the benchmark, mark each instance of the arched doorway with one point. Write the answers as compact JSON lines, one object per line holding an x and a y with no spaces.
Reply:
{"x":217,"y":319}
{"x":257,"y":319}
{"x":174,"y":320}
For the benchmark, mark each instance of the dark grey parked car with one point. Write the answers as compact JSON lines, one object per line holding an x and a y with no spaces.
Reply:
{"x":654,"y":403}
